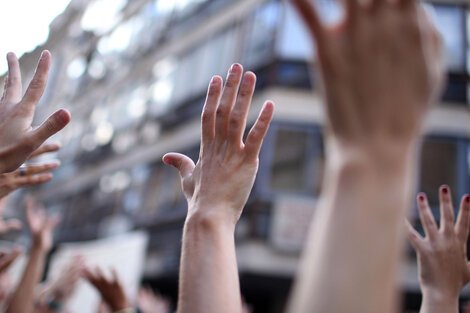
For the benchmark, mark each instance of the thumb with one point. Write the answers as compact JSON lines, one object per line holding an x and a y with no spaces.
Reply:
{"x":183,"y":164}
{"x":52,"y":125}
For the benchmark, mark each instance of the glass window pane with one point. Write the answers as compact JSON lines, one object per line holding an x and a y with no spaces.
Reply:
{"x":450,"y":21}
{"x":439,"y":166}
{"x":289,"y":160}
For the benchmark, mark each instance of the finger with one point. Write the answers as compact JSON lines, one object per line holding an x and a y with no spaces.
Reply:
{"x":13,"y":89}
{"x":427,"y":219}
{"x":52,"y":125}
{"x":226,"y":102}
{"x":45,"y":148}
{"x":312,"y":20}
{"x":114,"y":275}
{"x":33,"y":169}
{"x":208,"y":112}
{"x":38,"y":84}
{"x":52,"y":222}
{"x":183,"y":164}
{"x":8,"y":260}
{"x":447,"y":210}
{"x":413,"y":236}
{"x":237,"y":122}
{"x":352,"y":9}
{"x":256,"y":135}
{"x":463,"y":223}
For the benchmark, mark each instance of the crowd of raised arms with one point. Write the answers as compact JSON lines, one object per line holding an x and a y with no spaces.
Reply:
{"x":381,"y":71}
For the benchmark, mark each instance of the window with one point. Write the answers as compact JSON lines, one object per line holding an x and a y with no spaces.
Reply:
{"x":444,"y":161}
{"x":292,"y":160}
{"x":450,"y":20}
{"x":262,"y":30}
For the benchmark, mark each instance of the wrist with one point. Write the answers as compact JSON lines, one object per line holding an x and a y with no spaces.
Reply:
{"x":440,"y":301}
{"x":210,"y":219}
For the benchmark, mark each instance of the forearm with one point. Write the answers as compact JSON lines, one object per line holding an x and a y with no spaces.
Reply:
{"x":355,"y":242}
{"x":23,"y":298}
{"x":433,"y":303}
{"x":208,"y":272}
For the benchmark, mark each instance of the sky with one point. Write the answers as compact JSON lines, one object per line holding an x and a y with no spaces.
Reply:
{"x":24,"y":25}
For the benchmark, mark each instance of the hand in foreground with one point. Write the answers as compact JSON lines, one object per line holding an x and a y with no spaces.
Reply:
{"x":40,"y":225}
{"x":219,"y":184}
{"x":442,"y":255}
{"x":111,"y":289}
{"x":381,"y":69}
{"x":19,"y":140}
{"x":150,"y":302}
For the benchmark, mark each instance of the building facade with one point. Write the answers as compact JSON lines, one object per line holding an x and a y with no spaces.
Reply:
{"x":133,"y":74}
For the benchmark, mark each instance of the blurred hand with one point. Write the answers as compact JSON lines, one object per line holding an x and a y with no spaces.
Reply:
{"x":64,"y":285}
{"x":442,"y":255}
{"x":19,"y":140}
{"x":6,"y":259}
{"x":151,"y":302}
{"x":219,"y":184}
{"x":381,"y":69}
{"x":111,"y":289}
{"x":40,"y":225}
{"x":10,"y":225}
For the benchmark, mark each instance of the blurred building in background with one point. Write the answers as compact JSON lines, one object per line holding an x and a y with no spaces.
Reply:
{"x":134,"y":74}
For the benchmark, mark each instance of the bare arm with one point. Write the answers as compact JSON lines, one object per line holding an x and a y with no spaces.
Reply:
{"x":442,"y":255}
{"x":381,"y":71}
{"x":41,"y":227}
{"x":217,"y":188}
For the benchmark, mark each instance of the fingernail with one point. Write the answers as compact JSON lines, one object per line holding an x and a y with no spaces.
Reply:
{"x":421,"y":198}
{"x":10,"y":55}
{"x":235,"y":67}
{"x":43,"y":55}
{"x":445,"y":190}
{"x":467,"y":198}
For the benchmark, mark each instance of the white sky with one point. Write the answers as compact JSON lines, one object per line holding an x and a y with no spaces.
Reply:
{"x":24,"y":25}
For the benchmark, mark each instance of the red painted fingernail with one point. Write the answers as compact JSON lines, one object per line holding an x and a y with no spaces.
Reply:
{"x":445,"y":190}
{"x":467,"y":198}
{"x":421,"y":198}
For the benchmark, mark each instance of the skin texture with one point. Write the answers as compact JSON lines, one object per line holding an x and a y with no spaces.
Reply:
{"x":442,"y":254}
{"x":217,"y":188}
{"x":19,"y":140}
{"x":111,"y":289}
{"x":381,"y":71}
{"x":41,"y":227}
{"x":33,"y":174}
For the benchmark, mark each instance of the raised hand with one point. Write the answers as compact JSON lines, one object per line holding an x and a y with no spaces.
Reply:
{"x":18,"y":139}
{"x":442,"y":254}
{"x":219,"y":184}
{"x":40,"y":224}
{"x":41,"y":227}
{"x":216,"y":189}
{"x":110,"y":289}
{"x":381,"y":69}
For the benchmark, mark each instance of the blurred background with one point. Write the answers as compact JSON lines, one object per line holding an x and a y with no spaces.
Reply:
{"x":134,"y":73}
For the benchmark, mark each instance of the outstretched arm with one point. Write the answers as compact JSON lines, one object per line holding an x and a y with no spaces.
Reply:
{"x":381,"y":71}
{"x":41,"y":227}
{"x":442,"y":255}
{"x":216,"y":189}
